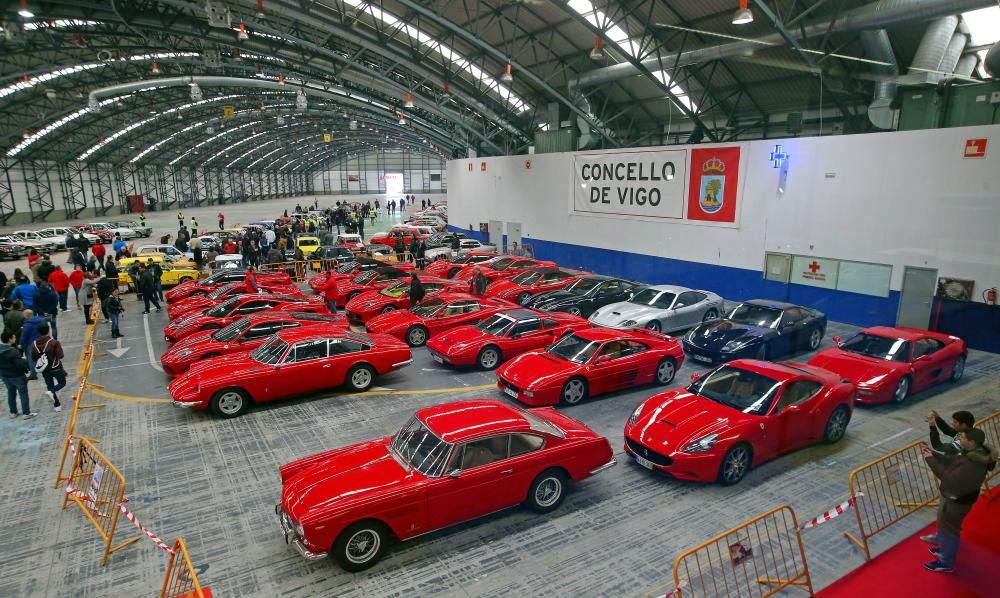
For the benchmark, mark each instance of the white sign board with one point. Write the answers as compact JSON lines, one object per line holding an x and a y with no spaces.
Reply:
{"x":643,"y":184}
{"x":860,"y":277}
{"x":814,"y":271}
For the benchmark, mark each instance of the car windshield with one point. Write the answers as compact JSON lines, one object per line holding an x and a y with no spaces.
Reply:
{"x":416,"y":447}
{"x":223,"y":309}
{"x":879,"y":347}
{"x":582,"y":286}
{"x":739,"y":389}
{"x":497,"y":325}
{"x":653,"y":298}
{"x":526,"y":278}
{"x":350,"y":239}
{"x":427,"y":307}
{"x":756,"y":315}
{"x":309,"y":242}
{"x":395,"y":289}
{"x":229,"y":333}
{"x":574,"y":348}
{"x":270,"y":352}
{"x":365,"y":277}
{"x":502,"y":263}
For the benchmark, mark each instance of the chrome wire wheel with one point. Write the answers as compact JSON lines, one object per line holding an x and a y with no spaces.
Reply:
{"x":363,"y":546}
{"x":573,"y":391}
{"x":735,"y":464}
{"x":665,"y":371}
{"x":548,"y":491}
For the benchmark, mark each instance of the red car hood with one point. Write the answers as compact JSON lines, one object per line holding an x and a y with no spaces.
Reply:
{"x":393,"y":319}
{"x":457,"y":339}
{"x":347,"y":474}
{"x":205,"y":336}
{"x":536,"y":369}
{"x":498,"y":287}
{"x":222,"y":367}
{"x":189,"y":304}
{"x":359,"y":301}
{"x":672,"y":419}
{"x":857,"y":368}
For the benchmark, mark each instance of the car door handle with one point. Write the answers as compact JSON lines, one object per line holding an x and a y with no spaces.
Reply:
{"x":507,"y":471}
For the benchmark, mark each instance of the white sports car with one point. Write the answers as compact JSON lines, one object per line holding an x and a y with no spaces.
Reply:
{"x":464,"y":245}
{"x":664,"y":308}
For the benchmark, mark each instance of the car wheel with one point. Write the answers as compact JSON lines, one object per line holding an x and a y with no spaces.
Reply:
{"x":735,"y":464}
{"x":815,"y":337}
{"x":361,"y":545}
{"x":573,"y":311}
{"x":665,"y":371}
{"x":836,"y":426}
{"x":761,"y":352}
{"x":388,"y":308}
{"x":711,"y":314}
{"x":654,"y":325}
{"x":360,"y":377}
{"x":547,"y":491}
{"x":523,"y":298}
{"x":452,"y":272}
{"x":488,"y":358}
{"x":902,"y":390}
{"x":416,"y":336}
{"x":958,"y":369}
{"x":353,"y":295}
{"x":573,"y":391}
{"x":184,"y":279}
{"x":230,"y":402}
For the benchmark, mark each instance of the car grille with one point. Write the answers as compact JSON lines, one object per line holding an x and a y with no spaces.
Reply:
{"x":510,"y":386}
{"x":647,"y":454}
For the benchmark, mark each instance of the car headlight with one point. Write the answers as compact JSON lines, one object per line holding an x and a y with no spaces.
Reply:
{"x":689,"y":337}
{"x":737,"y":344}
{"x":635,"y":414}
{"x":629,"y":323}
{"x":702,"y":444}
{"x":528,"y":393}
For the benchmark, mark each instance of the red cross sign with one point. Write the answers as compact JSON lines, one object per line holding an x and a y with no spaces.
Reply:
{"x":814,"y":267}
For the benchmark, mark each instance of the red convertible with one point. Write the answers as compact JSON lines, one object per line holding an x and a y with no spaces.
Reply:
{"x":234,"y":308}
{"x":245,"y":334}
{"x":449,"y":268}
{"x":448,"y":464}
{"x":502,"y":336}
{"x":293,"y":362}
{"x":395,"y":296}
{"x":737,"y":416}
{"x":225,"y":276}
{"x":178,"y":309}
{"x":501,"y":268}
{"x":591,"y":362}
{"x":529,"y":283}
{"x":888,"y":364}
{"x":434,"y":315}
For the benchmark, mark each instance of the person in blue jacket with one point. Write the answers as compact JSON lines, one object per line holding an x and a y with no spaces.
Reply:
{"x":25,"y":291}
{"x":29,"y":332}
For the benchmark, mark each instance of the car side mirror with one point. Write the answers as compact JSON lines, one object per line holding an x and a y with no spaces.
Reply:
{"x":694,"y":377}
{"x":454,"y":473}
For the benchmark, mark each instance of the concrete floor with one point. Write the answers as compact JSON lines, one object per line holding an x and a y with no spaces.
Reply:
{"x":215,"y":482}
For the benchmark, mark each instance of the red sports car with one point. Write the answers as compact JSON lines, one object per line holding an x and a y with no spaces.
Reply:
{"x":529,"y":283}
{"x":293,"y":362}
{"x":434,"y":315}
{"x":371,"y":280}
{"x":177,"y":309}
{"x":889,"y":364}
{"x":449,"y":463}
{"x":502,"y":336}
{"x":245,"y":334}
{"x":234,"y":308}
{"x":590,"y":362}
{"x":395,"y":296}
{"x":449,"y":268}
{"x":349,"y":270}
{"x":737,"y":416}
{"x":501,"y":268}
{"x":224,"y":276}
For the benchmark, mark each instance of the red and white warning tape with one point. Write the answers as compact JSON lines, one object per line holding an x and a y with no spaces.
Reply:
{"x":832,"y":513}
{"x":131,"y":517}
{"x":676,"y":592}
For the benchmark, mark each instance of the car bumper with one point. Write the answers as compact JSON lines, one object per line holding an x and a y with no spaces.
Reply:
{"x":695,"y":468}
{"x":293,"y":539}
{"x":549,"y":396}
{"x":174,"y":368}
{"x":709,"y":357}
{"x":460,"y":360}
{"x":872,"y":396}
{"x":604,"y":467}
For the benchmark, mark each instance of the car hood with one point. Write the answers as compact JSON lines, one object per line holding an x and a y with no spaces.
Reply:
{"x":349,"y":474}
{"x":362,"y":300}
{"x":672,"y":419}
{"x":189,"y":342}
{"x":715,"y":335}
{"x":393,"y":319}
{"x":500,"y":286}
{"x":619,"y":312}
{"x":860,"y":369}
{"x":223,"y":367}
{"x":537,"y":369}
{"x":458,"y":339}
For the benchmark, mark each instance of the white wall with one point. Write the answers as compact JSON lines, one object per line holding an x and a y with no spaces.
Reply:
{"x":904,"y":198}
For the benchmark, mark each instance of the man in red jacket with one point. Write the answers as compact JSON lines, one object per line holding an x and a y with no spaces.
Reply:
{"x":75,"y":281}
{"x":60,"y":284}
{"x":330,"y":292}
{"x":99,"y":252}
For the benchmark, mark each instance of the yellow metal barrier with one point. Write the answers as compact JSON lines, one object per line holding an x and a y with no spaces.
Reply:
{"x":991,"y":426}
{"x":83,"y":372}
{"x":181,"y":579}
{"x":98,"y":488}
{"x":895,"y":486}
{"x":757,"y":558}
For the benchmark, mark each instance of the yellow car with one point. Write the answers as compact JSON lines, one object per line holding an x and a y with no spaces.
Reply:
{"x":172,"y":276}
{"x":307,"y":244}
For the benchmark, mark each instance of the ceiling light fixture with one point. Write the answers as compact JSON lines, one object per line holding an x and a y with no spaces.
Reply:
{"x":156,"y":69}
{"x":281,"y":79}
{"x":24,"y":12}
{"x":597,"y":53}
{"x":195,"y":92}
{"x":260,"y":9}
{"x":507,"y":75}
{"x":242,"y":35}
{"x":743,"y":15}
{"x":409,"y":101}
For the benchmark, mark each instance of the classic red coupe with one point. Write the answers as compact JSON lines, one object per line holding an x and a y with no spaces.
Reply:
{"x":448,"y":464}
{"x":178,"y":309}
{"x":502,"y":336}
{"x":371,"y":280}
{"x":245,"y":334}
{"x":737,"y":416}
{"x":395,"y":296}
{"x":501,"y":268}
{"x":434,"y":315}
{"x":225,"y":276}
{"x":529,"y":283}
{"x":349,"y":270}
{"x":449,"y":268}
{"x":234,"y":308}
{"x":291,"y":363}
{"x":889,"y":364}
{"x":590,"y":362}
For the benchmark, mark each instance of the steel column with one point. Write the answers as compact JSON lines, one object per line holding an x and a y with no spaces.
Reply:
{"x":38,"y":185}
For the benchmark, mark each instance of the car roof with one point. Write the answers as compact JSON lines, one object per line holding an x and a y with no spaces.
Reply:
{"x":606,"y":334}
{"x":903,"y":333}
{"x":773,"y":304}
{"x":668,"y":288}
{"x":331,"y":330}
{"x":777,"y":371}
{"x":294,"y":315}
{"x":462,"y":421}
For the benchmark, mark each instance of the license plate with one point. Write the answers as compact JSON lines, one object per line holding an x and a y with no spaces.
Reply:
{"x":645,"y":463}
{"x":437,"y":358}
{"x":697,"y":357}
{"x":510,"y":391}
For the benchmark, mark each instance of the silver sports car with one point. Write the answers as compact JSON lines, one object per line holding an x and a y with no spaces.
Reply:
{"x":663,"y":308}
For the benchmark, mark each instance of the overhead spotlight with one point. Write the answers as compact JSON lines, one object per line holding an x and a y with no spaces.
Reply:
{"x":77,"y":93}
{"x":597,"y":53}
{"x":301,"y":103}
{"x":24,"y":11}
{"x":260,"y":9}
{"x":210,"y":129}
{"x":93,"y":104}
{"x":50,"y":94}
{"x":281,"y":79}
{"x":409,"y":101}
{"x":25,"y":134}
{"x":179,"y":115}
{"x":155,"y":69}
{"x":236,"y":54}
{"x":743,"y":15}
{"x":195,"y":92}
{"x":242,"y":35}
{"x":507,"y":75}
{"x":402,"y":119}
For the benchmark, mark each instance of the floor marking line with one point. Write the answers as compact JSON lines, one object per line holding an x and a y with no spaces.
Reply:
{"x":893,"y":437}
{"x":153,"y":361}
{"x":121,"y":397}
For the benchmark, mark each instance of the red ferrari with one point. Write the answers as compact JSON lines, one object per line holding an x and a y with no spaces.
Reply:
{"x":395,"y":296}
{"x":501,"y":268}
{"x":737,"y":416}
{"x":889,"y":364}
{"x":245,"y":334}
{"x":178,"y":309}
{"x":293,"y":362}
{"x":590,"y":362}
{"x":502,"y":336}
{"x":234,"y":308}
{"x":370,"y":280}
{"x":224,"y":276}
{"x":529,"y":283}
{"x":434,"y":315}
{"x":449,"y":268}
{"x":349,"y":270}
{"x":448,"y":464}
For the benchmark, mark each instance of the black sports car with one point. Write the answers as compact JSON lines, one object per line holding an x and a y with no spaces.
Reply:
{"x":585,"y":295}
{"x":760,"y":329}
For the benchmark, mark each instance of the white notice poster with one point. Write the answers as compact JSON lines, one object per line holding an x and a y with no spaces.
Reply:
{"x":814,"y":271}
{"x":644,"y":184}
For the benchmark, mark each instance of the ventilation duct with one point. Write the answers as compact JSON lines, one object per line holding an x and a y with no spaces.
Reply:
{"x":966,"y":65}
{"x":955,"y":48}
{"x":992,"y":61}
{"x":931,"y":51}
{"x":586,"y":136}
{"x":877,"y":47}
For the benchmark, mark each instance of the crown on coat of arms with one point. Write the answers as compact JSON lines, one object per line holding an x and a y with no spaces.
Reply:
{"x":713,"y":165}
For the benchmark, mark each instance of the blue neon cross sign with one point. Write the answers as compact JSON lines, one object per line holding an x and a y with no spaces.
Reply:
{"x":778,"y":156}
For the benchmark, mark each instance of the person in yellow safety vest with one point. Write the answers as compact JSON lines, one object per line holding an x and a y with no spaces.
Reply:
{"x":194,"y":225}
